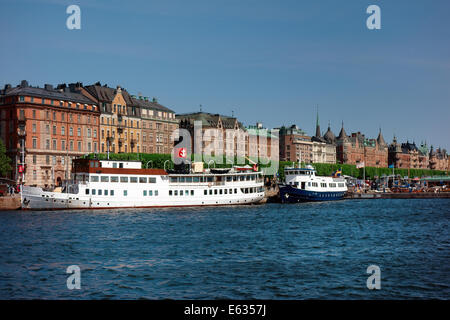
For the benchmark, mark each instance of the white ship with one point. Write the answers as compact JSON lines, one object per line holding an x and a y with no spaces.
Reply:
{"x":302,"y":184}
{"x":122,"y":184}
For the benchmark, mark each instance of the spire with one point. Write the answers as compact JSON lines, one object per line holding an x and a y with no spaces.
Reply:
{"x":342,"y":134}
{"x":329,"y":135}
{"x":380,"y":139}
{"x":318,"y":135}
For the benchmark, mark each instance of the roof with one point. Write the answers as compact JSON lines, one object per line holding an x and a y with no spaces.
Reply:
{"x":63,"y":94}
{"x":153,"y":105}
{"x":210,"y":120}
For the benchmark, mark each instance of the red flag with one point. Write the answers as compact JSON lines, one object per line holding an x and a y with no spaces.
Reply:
{"x":182,"y":153}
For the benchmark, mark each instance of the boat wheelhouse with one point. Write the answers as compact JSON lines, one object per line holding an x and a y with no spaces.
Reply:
{"x":302,"y":184}
{"x":122,"y":184}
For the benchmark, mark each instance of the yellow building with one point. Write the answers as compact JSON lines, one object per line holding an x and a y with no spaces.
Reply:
{"x":119,"y":119}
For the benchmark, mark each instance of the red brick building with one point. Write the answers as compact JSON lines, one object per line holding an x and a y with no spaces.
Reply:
{"x":47,"y":128}
{"x":357,"y":149}
{"x":295,"y":145}
{"x":439,"y":159}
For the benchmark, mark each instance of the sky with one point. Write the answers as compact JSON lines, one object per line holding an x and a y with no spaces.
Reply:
{"x":264,"y":61}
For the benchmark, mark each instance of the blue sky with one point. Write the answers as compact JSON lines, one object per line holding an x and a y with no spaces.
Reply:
{"x":268,"y":61}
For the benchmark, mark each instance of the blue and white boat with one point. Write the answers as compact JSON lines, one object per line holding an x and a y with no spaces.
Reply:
{"x":302,"y":184}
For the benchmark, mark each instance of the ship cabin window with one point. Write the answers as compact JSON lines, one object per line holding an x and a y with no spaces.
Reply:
{"x":174,"y":179}
{"x":220,"y":191}
{"x":105,"y":192}
{"x":99,"y":192}
{"x":189,"y":179}
{"x":175,"y":192}
{"x":170,"y":192}
{"x":235,"y":190}
{"x":150,"y":192}
{"x":225,"y":191}
{"x":181,"y":179}
{"x":93,"y":192}
{"x":120,"y":165}
{"x":94,"y":178}
{"x":104,"y":178}
{"x":114,"y":165}
{"x":196,"y":179}
{"x":205,"y":192}
{"x":125,"y":193}
{"x":181,"y":192}
{"x":309,"y":184}
{"x":133,"y":179}
{"x":111,"y":193}
{"x":144,"y":193}
{"x":303,"y":185}
{"x":215,"y":191}
{"x":123,"y":179}
{"x":323,"y":185}
{"x":253,"y":177}
{"x":114,"y":179}
{"x":142,"y":179}
{"x":192,"y":192}
{"x":229,"y":178}
{"x":341,"y":185}
{"x":209,"y":179}
{"x":231,"y":191}
{"x":156,"y":192}
{"x":235,"y":178}
{"x":210,"y":191}
{"x":242,"y":178}
{"x":296,"y":184}
{"x":87,"y":191}
{"x":151,"y":180}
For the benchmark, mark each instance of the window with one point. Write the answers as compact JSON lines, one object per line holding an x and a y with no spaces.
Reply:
{"x":170,"y":192}
{"x":123,"y":179}
{"x":133,"y":180}
{"x":144,"y":193}
{"x":156,"y":192}
{"x":34,"y":159}
{"x":79,"y":145}
{"x":71,"y":131}
{"x":111,"y":192}
{"x":104,"y":178}
{"x":150,"y":192}
{"x":34,"y":143}
{"x":105,"y":192}
{"x":79,"y":132}
{"x":142,"y":179}
{"x":192,"y":192}
{"x":114,"y":179}
{"x":94,"y":178}
{"x":93,"y":192}
{"x":87,"y":191}
{"x":125,"y":193}
{"x":205,"y":192}
{"x":99,"y":192}
{"x":152,"y":180}
{"x":63,"y":130}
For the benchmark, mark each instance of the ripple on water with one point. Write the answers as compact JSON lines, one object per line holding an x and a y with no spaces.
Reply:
{"x":273,"y":251}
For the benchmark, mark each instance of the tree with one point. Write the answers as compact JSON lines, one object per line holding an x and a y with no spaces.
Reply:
{"x":5,"y":161}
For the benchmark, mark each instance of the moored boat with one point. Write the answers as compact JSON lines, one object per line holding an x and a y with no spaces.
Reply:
{"x":302,"y":184}
{"x":120,"y":184}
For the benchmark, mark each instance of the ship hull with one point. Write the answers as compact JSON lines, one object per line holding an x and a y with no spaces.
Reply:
{"x":289,"y":194}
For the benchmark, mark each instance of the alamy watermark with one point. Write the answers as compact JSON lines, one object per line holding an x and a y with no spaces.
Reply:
{"x":373,"y":22}
{"x":374,"y":281}
{"x":74,"y":280}
{"x":74,"y":20}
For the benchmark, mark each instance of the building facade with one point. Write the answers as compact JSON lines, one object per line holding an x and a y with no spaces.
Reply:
{"x":45,"y":128}
{"x":357,"y":149}
{"x":158,"y":126}
{"x":295,"y":145}
{"x":439,"y":159}
{"x":323,"y":147}
{"x":262,"y":142}
{"x":219,"y":134}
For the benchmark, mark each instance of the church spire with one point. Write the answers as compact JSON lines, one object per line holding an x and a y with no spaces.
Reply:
{"x":318,"y":135}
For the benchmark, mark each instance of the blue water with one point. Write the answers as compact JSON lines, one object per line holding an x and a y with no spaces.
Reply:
{"x":273,"y":251}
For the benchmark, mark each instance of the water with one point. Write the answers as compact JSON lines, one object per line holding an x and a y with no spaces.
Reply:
{"x":273,"y":251}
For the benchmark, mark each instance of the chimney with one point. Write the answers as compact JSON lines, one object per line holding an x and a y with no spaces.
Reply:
{"x":24,"y":83}
{"x":7,"y":86}
{"x":48,"y":87}
{"x":72,"y":86}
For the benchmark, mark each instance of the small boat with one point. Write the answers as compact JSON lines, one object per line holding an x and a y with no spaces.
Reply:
{"x":302,"y":184}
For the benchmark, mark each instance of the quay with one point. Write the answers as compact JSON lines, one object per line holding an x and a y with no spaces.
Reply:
{"x":10,"y":203}
{"x":400,"y":195}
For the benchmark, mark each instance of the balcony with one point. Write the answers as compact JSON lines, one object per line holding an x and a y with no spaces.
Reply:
{"x":21,"y":118}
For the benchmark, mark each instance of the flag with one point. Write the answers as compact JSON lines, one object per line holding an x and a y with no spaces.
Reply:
{"x":391,"y":166}
{"x":360,"y":165}
{"x":182,"y":152}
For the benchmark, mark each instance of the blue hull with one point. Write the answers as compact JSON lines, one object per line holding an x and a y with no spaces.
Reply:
{"x":289,"y":194}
